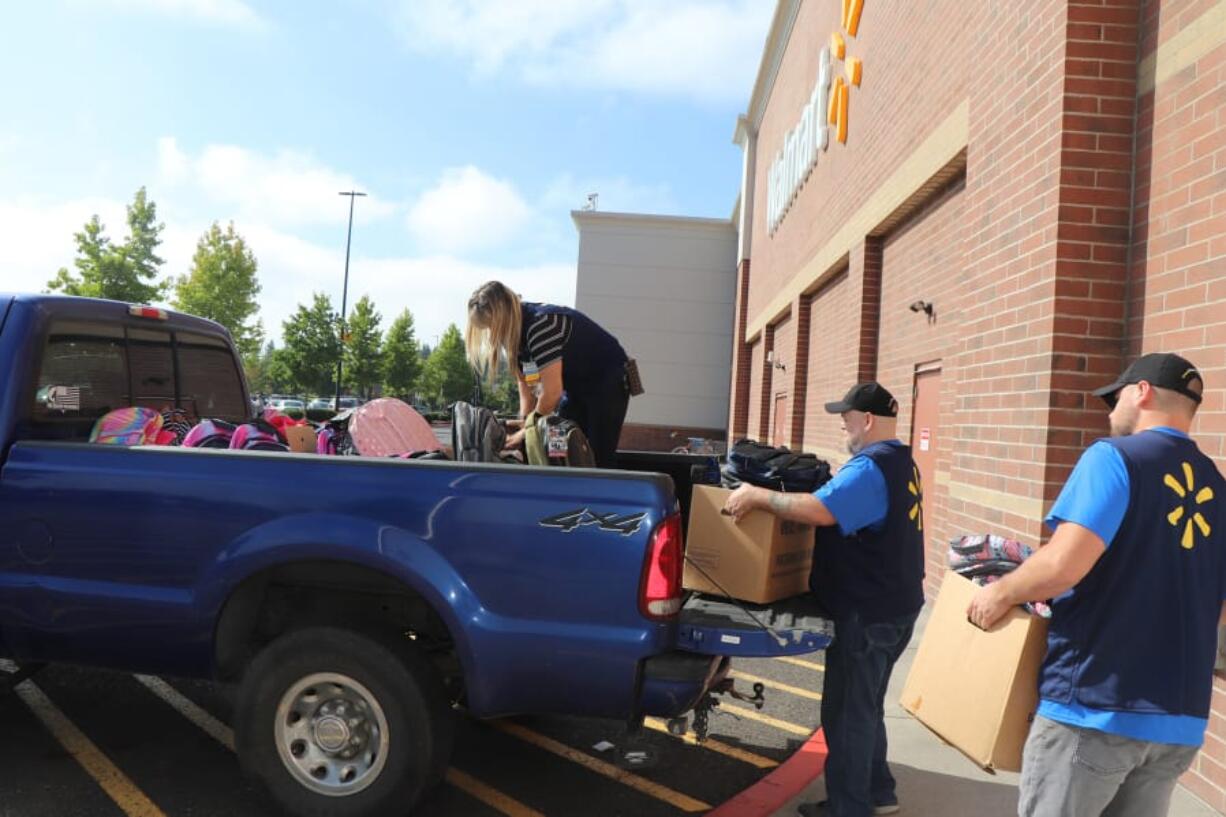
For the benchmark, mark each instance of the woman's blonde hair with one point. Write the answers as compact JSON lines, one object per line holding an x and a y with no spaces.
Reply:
{"x":494,"y":324}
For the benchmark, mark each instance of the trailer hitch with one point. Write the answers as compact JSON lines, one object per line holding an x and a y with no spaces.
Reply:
{"x":702,"y":710}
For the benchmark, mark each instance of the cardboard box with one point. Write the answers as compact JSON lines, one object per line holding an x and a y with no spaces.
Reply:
{"x":301,"y":439}
{"x":761,"y":559}
{"x":976,"y":689}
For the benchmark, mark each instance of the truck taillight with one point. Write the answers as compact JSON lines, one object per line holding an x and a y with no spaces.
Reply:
{"x":660,"y":588}
{"x":150,"y":312}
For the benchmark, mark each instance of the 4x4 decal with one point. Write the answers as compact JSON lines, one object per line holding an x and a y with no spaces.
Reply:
{"x":570,"y":520}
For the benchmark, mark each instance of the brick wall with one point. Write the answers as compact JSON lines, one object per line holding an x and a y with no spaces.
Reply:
{"x":757,"y":359}
{"x":1011,"y":201}
{"x":1177,"y":281}
{"x":741,"y":366}
{"x":921,"y":259}
{"x":832,"y":364}
{"x":930,"y":39}
{"x":638,"y":437}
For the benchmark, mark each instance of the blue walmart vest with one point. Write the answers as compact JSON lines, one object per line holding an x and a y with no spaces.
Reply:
{"x":1139,"y":632}
{"x":877,"y":574}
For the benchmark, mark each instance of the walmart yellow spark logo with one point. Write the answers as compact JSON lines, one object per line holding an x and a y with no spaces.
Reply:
{"x":1196,"y":521}
{"x":836,"y":113}
{"x":916,"y":488}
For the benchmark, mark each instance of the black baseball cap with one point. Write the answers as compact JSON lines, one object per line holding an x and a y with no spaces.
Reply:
{"x":1161,"y":369}
{"x":871,"y":398}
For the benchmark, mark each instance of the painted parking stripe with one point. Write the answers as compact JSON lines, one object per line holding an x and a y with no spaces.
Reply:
{"x":634,"y":781}
{"x":225,"y":736}
{"x":491,"y":797}
{"x":800,"y":662}
{"x":190,"y":710}
{"x":714,"y":745}
{"x":755,"y":715}
{"x":115,"y":783}
{"x":769,"y":684}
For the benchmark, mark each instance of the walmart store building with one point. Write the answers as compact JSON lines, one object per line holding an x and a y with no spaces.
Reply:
{"x":991,"y":207}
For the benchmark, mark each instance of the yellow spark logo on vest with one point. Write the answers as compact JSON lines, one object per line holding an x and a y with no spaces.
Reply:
{"x":916,"y":514}
{"x":1196,"y":521}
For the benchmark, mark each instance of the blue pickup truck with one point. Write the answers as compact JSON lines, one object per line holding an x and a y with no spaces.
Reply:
{"x":354,"y":602}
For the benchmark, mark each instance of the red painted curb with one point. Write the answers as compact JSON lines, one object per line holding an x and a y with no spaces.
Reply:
{"x":770,"y":793}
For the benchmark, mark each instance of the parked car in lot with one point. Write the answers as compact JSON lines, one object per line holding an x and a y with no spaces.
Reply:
{"x":352,"y":600}
{"x":290,"y":406}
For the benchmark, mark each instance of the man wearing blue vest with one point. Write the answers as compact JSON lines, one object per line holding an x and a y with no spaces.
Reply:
{"x":1137,"y":570}
{"x":868,"y":572}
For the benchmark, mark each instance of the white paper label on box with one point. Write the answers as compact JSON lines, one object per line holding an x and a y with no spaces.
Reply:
{"x":730,"y":639}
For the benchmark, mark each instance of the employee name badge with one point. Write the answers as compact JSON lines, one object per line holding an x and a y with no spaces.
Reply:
{"x":556,"y":445}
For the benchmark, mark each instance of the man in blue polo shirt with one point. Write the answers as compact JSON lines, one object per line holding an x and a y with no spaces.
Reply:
{"x":1137,"y":570}
{"x":868,"y":572}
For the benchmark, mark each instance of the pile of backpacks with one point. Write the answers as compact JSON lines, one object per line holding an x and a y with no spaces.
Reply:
{"x":774,"y":467}
{"x":386,"y":427}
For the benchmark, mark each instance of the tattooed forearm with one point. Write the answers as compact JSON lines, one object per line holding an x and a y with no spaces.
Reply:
{"x":780,"y":504}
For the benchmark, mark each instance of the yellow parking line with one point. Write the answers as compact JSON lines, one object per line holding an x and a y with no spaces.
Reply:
{"x":800,"y":662}
{"x":190,"y":710}
{"x":225,"y":736}
{"x":673,"y":798}
{"x":769,"y":684}
{"x":115,"y":783}
{"x":755,"y":715}
{"x":715,"y":746}
{"x":491,"y":797}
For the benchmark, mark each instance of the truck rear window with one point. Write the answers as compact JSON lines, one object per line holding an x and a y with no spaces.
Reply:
{"x":89,"y":369}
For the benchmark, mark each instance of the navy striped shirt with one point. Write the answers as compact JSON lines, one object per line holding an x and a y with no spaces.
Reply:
{"x":551,"y":333}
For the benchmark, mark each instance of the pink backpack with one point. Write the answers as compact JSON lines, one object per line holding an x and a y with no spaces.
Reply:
{"x":128,"y":426}
{"x":209,"y":434}
{"x":387,"y":427}
{"x":257,"y":436}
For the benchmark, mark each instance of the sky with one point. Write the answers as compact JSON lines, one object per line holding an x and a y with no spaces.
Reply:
{"x":474,"y":126}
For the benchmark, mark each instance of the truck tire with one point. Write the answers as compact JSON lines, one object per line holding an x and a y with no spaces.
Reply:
{"x":341,"y":723}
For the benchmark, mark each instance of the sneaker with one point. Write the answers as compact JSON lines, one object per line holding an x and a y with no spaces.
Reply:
{"x":819,"y":808}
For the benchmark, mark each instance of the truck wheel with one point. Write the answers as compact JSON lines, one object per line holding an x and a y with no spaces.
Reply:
{"x":334,"y":722}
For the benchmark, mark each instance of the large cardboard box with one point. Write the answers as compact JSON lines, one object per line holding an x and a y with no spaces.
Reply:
{"x":977,"y":689}
{"x":761,"y":559}
{"x":301,"y":439}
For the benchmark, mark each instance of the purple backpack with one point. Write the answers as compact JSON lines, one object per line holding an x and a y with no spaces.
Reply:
{"x":209,"y":434}
{"x":259,"y":435}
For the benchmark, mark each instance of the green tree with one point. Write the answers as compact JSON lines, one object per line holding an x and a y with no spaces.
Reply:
{"x":265,"y":371}
{"x":311,"y":347}
{"x":121,"y":272}
{"x":402,"y":362}
{"x":222,"y":286}
{"x":504,"y":394}
{"x":364,"y":348}
{"x":447,"y":375}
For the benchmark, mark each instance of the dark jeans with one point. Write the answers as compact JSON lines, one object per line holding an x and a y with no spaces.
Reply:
{"x":600,"y":410}
{"x":858,"y":667}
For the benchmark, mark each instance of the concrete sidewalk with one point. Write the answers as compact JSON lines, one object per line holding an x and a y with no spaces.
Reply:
{"x":936,"y":780}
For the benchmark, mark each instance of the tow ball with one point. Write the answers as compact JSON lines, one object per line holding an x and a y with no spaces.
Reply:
{"x":702,"y":710}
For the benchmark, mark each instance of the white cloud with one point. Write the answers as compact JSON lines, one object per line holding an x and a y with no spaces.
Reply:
{"x":703,"y":49}
{"x":468,"y":211}
{"x":234,"y":13}
{"x":287,"y":188}
{"x":434,"y":287}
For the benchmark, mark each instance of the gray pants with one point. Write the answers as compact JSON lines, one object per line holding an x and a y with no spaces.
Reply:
{"x":1068,"y":771}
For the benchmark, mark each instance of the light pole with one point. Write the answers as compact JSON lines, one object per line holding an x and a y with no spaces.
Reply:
{"x":340,"y":358}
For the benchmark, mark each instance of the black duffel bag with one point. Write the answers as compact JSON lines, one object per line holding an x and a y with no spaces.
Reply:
{"x":774,"y":467}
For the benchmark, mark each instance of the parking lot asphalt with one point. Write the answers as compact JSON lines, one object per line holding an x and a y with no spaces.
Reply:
{"x":96,"y":743}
